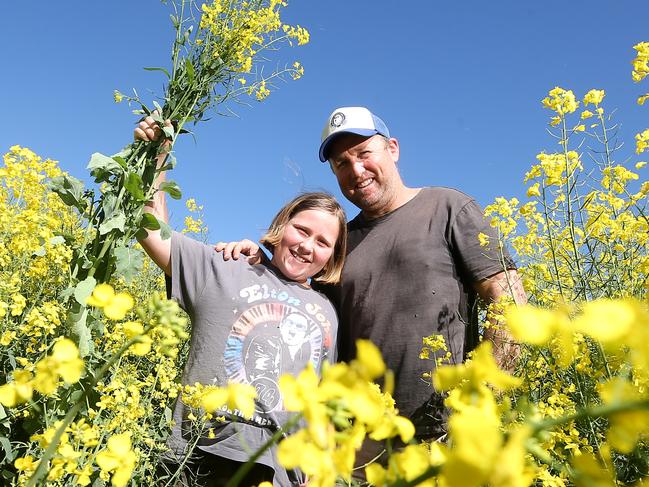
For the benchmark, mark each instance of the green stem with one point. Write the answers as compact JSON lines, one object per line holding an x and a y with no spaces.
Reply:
{"x":246,"y":467}
{"x":596,"y":411}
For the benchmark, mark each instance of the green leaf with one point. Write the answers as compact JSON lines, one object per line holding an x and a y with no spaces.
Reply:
{"x":83,"y":290}
{"x":6,"y":446}
{"x":141,"y":234}
{"x":168,"y":131}
{"x":159,"y":69}
{"x":39,"y":252}
{"x":115,"y":222}
{"x":77,"y":322}
{"x":110,"y":205}
{"x":172,"y":189}
{"x":57,"y":240}
{"x":165,"y":230}
{"x":103,"y":167}
{"x":190,"y":70}
{"x":150,"y":222}
{"x":120,"y":160}
{"x":158,"y":118}
{"x":70,"y":190}
{"x":133,"y":185}
{"x":129,"y":262}
{"x":66,"y":293}
{"x":170,"y":163}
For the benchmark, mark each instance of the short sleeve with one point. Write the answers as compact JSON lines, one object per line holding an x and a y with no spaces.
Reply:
{"x":477,"y":262}
{"x":191,"y":268}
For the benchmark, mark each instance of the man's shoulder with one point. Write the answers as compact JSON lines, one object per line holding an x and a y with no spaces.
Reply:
{"x":445,"y":194}
{"x":430,"y":200}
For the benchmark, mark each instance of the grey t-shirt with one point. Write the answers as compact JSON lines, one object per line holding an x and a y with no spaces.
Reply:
{"x":249,"y":325}
{"x":408,"y":275}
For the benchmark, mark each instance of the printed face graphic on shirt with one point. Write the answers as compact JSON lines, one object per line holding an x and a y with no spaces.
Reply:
{"x":268,"y":340}
{"x":293,"y":329}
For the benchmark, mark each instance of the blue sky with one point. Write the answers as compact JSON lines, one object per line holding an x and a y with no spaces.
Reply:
{"x":459,"y":84}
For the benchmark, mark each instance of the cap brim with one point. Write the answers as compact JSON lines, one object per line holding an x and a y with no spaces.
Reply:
{"x":327,"y":142}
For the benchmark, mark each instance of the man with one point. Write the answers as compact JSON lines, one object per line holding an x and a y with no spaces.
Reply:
{"x":414,"y":265}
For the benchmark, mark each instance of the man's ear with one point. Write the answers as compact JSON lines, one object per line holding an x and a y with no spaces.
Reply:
{"x":393,"y":149}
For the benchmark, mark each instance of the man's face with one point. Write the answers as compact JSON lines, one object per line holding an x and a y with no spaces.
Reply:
{"x":293,"y":329}
{"x":366,"y":171}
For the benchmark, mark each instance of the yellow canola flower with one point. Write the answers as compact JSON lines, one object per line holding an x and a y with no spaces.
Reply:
{"x":561,"y":101}
{"x":340,"y":409}
{"x":118,"y":459}
{"x":533,"y":190}
{"x":303,"y":394}
{"x":534,"y":325}
{"x":609,"y":321}
{"x":594,"y":97}
{"x":406,"y":464}
{"x":83,"y":475}
{"x":389,"y":427}
{"x":135,"y":329}
{"x":298,"y":451}
{"x":65,"y":358}
{"x":476,"y":440}
{"x":511,"y":468}
{"x":626,"y":428}
{"x":642,"y":99}
{"x":642,"y":141}
{"x":641,"y":62}
{"x":26,"y":464}
{"x":236,"y":396}
{"x":369,"y":360}
{"x":19,"y":391}
{"x":482,"y":368}
{"x":483,"y":239}
{"x":64,"y":362}
{"x":101,"y":295}
{"x":590,"y":471}
{"x":114,"y":305}
{"x":18,"y":304}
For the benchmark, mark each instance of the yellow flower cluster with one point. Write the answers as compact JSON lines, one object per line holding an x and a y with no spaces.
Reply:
{"x":594,"y":97}
{"x":478,"y":452}
{"x":63,"y":364}
{"x":583,"y":237}
{"x":501,"y":213}
{"x":118,"y":460}
{"x":114,"y":305}
{"x":240,"y":30}
{"x":642,"y":141}
{"x":195,"y":224}
{"x":561,"y":101}
{"x":340,"y":410}
{"x":641,"y":61}
{"x":210,"y":399}
{"x":432,"y":345}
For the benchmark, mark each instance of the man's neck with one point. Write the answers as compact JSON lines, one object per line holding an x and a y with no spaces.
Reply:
{"x":404,"y":196}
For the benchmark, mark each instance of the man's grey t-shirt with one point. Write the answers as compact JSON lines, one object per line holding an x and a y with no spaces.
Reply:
{"x":409,"y":274}
{"x":249,"y":325}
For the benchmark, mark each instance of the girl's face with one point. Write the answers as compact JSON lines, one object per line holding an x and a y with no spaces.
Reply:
{"x":307,"y":244}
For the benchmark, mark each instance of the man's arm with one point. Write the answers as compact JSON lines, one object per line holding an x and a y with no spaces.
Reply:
{"x":158,"y":249}
{"x":506,"y":283}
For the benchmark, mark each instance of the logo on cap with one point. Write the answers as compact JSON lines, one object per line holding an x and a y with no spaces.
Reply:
{"x":337,"y":119}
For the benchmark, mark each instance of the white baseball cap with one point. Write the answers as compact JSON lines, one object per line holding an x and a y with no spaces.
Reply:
{"x":353,"y":120}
